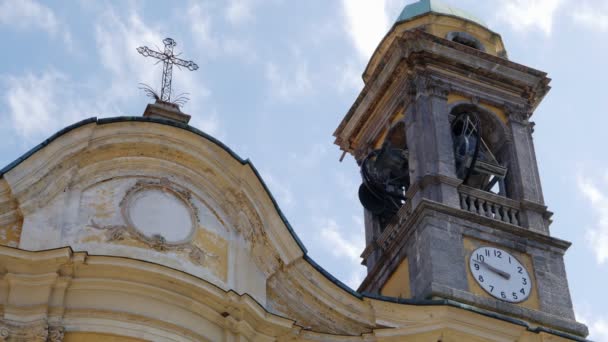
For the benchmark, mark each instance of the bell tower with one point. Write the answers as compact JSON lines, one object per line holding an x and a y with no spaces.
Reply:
{"x":451,"y":191}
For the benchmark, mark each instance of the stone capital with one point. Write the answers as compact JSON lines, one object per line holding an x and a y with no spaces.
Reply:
{"x":518,"y":114}
{"x":423,"y":83}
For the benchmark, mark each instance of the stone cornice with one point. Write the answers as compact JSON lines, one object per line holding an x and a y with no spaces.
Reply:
{"x":417,"y":51}
{"x":106,"y":295}
{"x":396,"y":235}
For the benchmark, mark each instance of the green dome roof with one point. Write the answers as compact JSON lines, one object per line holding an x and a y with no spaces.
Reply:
{"x":434,"y":6}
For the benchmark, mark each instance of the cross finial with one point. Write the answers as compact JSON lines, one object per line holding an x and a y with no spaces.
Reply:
{"x":168,"y":59}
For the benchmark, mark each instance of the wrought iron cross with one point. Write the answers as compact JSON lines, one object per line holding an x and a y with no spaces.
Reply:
{"x":168,"y":59}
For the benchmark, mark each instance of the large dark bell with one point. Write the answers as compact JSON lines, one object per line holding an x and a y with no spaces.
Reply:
{"x":370,"y":201}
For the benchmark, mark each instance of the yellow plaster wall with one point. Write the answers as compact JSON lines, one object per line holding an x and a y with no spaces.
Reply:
{"x":440,"y":25}
{"x":398,"y":285}
{"x":11,"y":219}
{"x":97,"y":337}
{"x":443,"y":335}
{"x":10,"y":234}
{"x":398,"y":116}
{"x":497,"y":111}
{"x":215,"y":245}
{"x":471,"y":244}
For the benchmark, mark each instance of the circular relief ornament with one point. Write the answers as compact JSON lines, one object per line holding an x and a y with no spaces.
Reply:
{"x":156,"y":211}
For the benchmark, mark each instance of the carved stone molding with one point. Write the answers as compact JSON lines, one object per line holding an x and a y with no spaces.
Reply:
{"x":36,"y":332}
{"x":56,"y":334}
{"x":519,"y":114}
{"x":4,"y":333}
{"x":422,"y":82}
{"x":158,"y":242}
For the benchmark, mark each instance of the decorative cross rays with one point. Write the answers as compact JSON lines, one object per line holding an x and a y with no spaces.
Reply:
{"x":168,"y":59}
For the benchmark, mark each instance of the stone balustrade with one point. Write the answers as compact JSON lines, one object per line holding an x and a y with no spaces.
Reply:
{"x":489,"y":205}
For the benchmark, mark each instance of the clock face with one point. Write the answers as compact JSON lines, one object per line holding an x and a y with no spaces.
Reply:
{"x":500,"y":274}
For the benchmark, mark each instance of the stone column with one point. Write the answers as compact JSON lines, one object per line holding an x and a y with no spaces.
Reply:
{"x":429,"y":141}
{"x":524,"y":178}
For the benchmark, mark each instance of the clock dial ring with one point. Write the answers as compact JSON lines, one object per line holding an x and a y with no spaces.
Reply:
{"x":500,"y":274}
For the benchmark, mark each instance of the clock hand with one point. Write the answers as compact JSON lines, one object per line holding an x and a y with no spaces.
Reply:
{"x":496,"y":270}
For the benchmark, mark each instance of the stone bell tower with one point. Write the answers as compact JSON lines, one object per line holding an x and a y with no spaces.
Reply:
{"x":453,"y":202}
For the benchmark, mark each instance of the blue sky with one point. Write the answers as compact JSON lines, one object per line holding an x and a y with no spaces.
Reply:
{"x":277,"y":76}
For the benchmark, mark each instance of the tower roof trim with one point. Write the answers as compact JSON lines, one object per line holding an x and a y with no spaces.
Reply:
{"x":435,"y":6}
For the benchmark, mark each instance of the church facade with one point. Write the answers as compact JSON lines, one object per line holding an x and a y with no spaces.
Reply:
{"x":147,"y":229}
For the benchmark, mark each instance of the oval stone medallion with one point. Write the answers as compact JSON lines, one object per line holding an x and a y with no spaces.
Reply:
{"x":159,"y":212}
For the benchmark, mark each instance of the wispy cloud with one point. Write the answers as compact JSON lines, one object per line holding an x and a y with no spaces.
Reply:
{"x":202,"y":18}
{"x":342,"y":245}
{"x":598,"y":198}
{"x":290,"y":81}
{"x":201,"y":24}
{"x":366,"y":23}
{"x":209,"y":124}
{"x":117,"y":38}
{"x":309,"y":159}
{"x":523,"y":15}
{"x":350,"y":76}
{"x":118,"y":34}
{"x":32,"y":15}
{"x":592,"y":17}
{"x":239,"y":11}
{"x":598,"y":325}
{"x":281,"y":190}
{"x":39,"y":104}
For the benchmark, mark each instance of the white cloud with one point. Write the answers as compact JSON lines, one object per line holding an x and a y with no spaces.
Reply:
{"x":523,"y":15}
{"x":350,"y":77}
{"x":117,"y":37}
{"x":340,"y":246}
{"x":29,"y":14}
{"x":209,"y":123}
{"x":201,"y":26}
{"x":598,"y":326}
{"x":366,"y":23}
{"x":591,"y":17}
{"x":39,"y":105}
{"x":280,"y":190}
{"x":356,"y":278}
{"x":239,"y":11}
{"x":598,"y":198}
{"x":309,"y":159}
{"x":290,"y":82}
{"x":214,"y":44}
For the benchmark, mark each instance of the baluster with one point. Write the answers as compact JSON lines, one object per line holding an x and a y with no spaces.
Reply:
{"x":487,"y":206}
{"x":477,"y":206}
{"x":515,"y":217}
{"x":509,"y":215}
{"x":463,"y":201}
{"x":505,"y":214}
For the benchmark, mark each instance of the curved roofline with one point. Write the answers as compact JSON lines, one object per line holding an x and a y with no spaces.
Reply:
{"x":400,"y":22}
{"x":166,"y":122}
{"x":306,"y":257}
{"x":423,"y":7}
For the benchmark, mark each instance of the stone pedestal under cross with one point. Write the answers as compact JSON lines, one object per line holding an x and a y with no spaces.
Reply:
{"x":164,"y":107}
